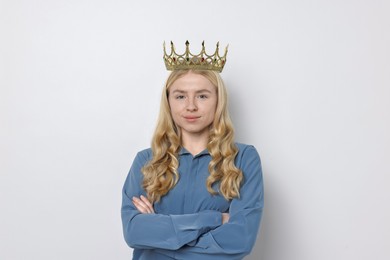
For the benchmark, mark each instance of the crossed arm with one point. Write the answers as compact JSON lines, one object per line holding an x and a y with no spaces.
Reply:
{"x":145,"y":207}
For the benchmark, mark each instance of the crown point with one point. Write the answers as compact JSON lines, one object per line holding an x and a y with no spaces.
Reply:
{"x":187,"y":42}
{"x":203,"y":44}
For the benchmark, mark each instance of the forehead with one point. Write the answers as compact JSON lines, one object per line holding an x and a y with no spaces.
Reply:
{"x":192,"y":82}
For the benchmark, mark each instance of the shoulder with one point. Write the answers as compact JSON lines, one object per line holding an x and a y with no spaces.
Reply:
{"x":246,"y":153}
{"x":244,"y":149}
{"x":142,"y":157}
{"x":139,"y":162}
{"x":145,"y":154}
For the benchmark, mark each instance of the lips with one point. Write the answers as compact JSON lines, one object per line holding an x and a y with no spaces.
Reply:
{"x":191,"y":118}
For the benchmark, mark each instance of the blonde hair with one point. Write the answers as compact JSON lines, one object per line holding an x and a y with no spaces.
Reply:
{"x":160,"y":174}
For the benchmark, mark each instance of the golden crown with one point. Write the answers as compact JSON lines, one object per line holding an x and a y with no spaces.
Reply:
{"x":187,"y":60}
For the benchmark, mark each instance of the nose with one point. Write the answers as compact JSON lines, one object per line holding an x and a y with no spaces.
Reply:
{"x":191,"y":105}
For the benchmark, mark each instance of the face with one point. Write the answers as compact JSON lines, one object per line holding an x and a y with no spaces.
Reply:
{"x":193,"y":101}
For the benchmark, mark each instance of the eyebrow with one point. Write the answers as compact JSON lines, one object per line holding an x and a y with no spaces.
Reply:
{"x":198,"y":91}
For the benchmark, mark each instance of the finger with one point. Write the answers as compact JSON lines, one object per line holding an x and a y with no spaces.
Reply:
{"x":225,"y":218}
{"x":148,"y":204}
{"x":140,"y":205}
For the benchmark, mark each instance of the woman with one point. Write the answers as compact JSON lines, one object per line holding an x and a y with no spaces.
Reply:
{"x":195,"y":194}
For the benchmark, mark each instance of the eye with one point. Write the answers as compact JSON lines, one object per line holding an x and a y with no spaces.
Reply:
{"x":180,"y":97}
{"x":202,"y":96}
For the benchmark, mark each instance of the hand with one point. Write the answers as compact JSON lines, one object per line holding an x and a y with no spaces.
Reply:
{"x":225,"y":218}
{"x":143,"y":205}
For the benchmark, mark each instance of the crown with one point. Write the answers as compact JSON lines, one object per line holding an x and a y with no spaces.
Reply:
{"x":202,"y":61}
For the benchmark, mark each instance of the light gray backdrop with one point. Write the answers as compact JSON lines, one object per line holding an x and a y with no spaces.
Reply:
{"x":309,"y":85}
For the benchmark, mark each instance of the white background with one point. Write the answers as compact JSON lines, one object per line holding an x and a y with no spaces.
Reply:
{"x":309,"y":85}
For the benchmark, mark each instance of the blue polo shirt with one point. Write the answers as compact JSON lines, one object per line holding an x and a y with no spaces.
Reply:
{"x":188,"y":220}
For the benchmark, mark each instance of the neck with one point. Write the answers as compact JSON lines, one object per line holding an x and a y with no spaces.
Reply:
{"x":195,"y":143}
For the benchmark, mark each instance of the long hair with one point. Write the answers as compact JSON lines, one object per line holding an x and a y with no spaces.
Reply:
{"x":160,"y":173}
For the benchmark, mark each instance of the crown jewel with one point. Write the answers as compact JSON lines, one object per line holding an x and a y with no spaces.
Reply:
{"x":202,"y":61}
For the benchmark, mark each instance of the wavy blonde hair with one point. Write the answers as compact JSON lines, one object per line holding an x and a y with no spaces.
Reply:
{"x":160,"y":173}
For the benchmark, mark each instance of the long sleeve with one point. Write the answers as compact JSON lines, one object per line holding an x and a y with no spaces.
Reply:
{"x":236,"y":238}
{"x":154,"y":231}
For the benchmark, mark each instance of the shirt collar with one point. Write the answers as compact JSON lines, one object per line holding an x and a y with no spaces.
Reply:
{"x":184,"y":151}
